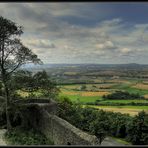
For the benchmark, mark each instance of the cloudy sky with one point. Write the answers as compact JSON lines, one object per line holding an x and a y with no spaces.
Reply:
{"x":98,"y":32}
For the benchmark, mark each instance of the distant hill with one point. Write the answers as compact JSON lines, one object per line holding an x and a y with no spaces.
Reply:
{"x":46,"y":66}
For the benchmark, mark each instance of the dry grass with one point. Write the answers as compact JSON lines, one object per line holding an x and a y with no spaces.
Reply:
{"x":70,"y":93}
{"x":85,"y":93}
{"x":146,"y":96}
{"x":120,"y":81}
{"x":130,"y":111}
{"x":89,"y":93}
{"x":141,"y":86}
{"x":70,"y":73}
{"x":90,"y":87}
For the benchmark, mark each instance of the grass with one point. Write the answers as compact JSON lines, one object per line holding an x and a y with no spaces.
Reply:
{"x":124,"y":101}
{"x":131,"y":110}
{"x":130,"y":89}
{"x":141,"y":86}
{"x":90,"y":96}
{"x":76,"y":86}
{"x":82,"y":99}
{"x":124,"y":107}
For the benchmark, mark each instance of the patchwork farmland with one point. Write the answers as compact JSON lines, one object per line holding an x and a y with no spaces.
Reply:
{"x":87,"y":84}
{"x":91,"y":93}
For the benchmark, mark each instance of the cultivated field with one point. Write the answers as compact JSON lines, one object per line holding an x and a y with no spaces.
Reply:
{"x":94,"y":92}
{"x":132,"y":110}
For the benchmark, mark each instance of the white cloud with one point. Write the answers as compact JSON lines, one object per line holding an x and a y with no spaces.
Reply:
{"x":125,"y":50}
{"x":44,"y":29}
{"x":40,"y":43}
{"x":106,"y":45}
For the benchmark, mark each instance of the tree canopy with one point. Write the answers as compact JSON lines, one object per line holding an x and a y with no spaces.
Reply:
{"x":13,"y":54}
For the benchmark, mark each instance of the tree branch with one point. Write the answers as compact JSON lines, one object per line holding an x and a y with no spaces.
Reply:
{"x":19,"y":64}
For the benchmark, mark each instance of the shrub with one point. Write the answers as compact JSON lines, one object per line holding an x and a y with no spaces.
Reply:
{"x":137,"y":130}
{"x":18,"y":136}
{"x":122,"y":95}
{"x":103,"y":123}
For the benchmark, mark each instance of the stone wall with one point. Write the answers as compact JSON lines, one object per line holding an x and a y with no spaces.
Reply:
{"x":62,"y":132}
{"x":41,"y":116}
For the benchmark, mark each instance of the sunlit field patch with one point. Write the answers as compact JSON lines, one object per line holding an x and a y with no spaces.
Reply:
{"x":141,"y":86}
{"x":146,"y":96}
{"x":70,"y":73}
{"x":125,"y":101}
{"x":94,"y":93}
{"x":26,"y":94}
{"x":132,"y":110}
{"x":70,"y":93}
{"x":117,"y":81}
{"x":85,"y":93}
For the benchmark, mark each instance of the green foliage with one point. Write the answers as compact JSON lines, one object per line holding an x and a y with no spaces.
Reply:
{"x":13,"y":54}
{"x":138,"y":129}
{"x":119,"y":102}
{"x":83,"y":87}
{"x":47,"y":86}
{"x":39,"y":82}
{"x":118,"y":124}
{"x":103,"y":123}
{"x":88,"y":115}
{"x":20,"y":136}
{"x":100,"y":126}
{"x":119,"y":95}
{"x":23,"y":80}
{"x":69,"y":111}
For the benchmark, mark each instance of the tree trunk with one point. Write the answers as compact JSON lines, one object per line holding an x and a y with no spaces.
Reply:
{"x":7,"y":106}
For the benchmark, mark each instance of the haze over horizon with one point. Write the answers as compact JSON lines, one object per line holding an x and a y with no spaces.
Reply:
{"x":74,"y":33}
{"x":66,"y":64}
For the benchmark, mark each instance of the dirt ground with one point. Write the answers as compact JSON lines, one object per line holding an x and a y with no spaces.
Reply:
{"x":108,"y":141}
{"x":2,"y":132}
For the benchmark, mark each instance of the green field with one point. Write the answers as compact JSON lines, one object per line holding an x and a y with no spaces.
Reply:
{"x":75,"y":95}
{"x":95,"y":92}
{"x":120,"y":107}
{"x":82,"y":99}
{"x":131,"y":110}
{"x":124,"y":101}
{"x":128,"y":88}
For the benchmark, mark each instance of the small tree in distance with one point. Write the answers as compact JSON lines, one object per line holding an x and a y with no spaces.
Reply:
{"x":13,"y":54}
{"x":40,"y":81}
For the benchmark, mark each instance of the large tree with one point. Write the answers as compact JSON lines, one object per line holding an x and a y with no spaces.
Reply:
{"x":13,"y":54}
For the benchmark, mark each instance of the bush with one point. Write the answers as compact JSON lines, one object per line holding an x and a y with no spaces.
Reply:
{"x":137,"y":130}
{"x":103,"y":123}
{"x":20,"y":136}
{"x":122,"y":95}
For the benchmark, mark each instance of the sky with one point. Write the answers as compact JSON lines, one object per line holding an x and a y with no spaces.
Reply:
{"x":83,"y":32}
